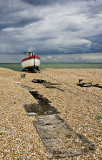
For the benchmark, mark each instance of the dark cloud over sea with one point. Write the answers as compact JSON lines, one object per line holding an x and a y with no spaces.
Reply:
{"x":58,"y":30}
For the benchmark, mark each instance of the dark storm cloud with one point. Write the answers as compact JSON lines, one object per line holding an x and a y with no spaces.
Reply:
{"x":51,"y":27}
{"x":10,"y":15}
{"x":43,"y":2}
{"x":24,"y":22}
{"x":96,"y":45}
{"x":18,"y":23}
{"x":93,"y":9}
{"x":45,"y":38}
{"x":49,"y":2}
{"x":72,"y":27}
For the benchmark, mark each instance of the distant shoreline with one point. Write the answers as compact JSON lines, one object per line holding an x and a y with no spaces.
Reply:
{"x":17,"y":66}
{"x":59,"y":63}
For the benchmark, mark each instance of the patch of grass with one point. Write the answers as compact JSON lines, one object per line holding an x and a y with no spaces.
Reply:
{"x":99,"y":117}
{"x":1,"y":133}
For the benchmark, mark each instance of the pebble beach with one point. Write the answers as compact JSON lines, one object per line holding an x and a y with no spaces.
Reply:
{"x":80,"y":107}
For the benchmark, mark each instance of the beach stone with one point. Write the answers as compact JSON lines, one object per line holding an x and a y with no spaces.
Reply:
{"x":27,"y":87}
{"x":31,"y":114}
{"x":79,"y":113}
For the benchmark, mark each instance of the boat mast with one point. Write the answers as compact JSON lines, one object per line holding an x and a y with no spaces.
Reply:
{"x":34,"y":59}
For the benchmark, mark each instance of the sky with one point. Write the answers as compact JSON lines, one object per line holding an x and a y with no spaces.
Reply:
{"x":57,"y":30}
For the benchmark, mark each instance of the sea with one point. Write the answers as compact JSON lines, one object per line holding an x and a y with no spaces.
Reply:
{"x":17,"y":66}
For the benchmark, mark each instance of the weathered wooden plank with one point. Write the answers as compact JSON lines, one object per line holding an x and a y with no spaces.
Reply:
{"x":60,"y":139}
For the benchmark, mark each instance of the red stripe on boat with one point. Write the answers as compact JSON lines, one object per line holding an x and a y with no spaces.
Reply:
{"x":31,"y":57}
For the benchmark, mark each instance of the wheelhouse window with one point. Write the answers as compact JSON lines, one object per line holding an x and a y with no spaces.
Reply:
{"x":28,"y":54}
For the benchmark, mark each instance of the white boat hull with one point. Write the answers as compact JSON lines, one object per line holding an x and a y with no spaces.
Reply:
{"x":32,"y":62}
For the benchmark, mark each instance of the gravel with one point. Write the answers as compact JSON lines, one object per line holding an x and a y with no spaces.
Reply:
{"x":79,"y":107}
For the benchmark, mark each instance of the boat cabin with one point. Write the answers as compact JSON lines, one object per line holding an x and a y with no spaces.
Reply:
{"x":29,"y":54}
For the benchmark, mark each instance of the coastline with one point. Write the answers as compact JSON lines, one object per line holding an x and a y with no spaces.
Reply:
{"x":79,"y":107}
{"x":85,"y":65}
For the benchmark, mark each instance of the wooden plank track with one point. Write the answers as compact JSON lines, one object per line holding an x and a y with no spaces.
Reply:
{"x":59,"y":139}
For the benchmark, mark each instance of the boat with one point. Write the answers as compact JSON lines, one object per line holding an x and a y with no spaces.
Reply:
{"x":30,"y":62}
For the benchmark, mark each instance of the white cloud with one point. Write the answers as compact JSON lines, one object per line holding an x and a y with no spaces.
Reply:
{"x":10,"y":58}
{"x":97,"y":56}
{"x":94,"y":57}
{"x":64,"y":58}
